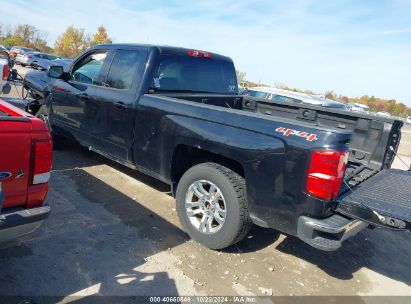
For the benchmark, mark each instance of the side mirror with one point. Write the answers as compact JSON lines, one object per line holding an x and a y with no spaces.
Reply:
{"x":55,"y":71}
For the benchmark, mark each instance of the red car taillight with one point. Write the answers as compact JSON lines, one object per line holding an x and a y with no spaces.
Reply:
{"x":43,"y":159}
{"x":5,"y":72}
{"x":325,"y":173}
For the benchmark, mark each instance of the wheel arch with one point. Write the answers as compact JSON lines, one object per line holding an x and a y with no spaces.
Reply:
{"x":185,"y":157}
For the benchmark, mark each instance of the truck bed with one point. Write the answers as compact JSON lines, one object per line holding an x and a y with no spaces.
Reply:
{"x":372,"y":135}
{"x":371,"y":192}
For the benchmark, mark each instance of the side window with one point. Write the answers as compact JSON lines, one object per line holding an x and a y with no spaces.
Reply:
{"x":123,"y":68}
{"x":89,"y":68}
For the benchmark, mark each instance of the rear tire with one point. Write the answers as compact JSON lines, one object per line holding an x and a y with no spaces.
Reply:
{"x":217,"y":219}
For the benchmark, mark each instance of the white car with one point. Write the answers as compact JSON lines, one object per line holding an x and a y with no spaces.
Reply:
{"x":383,"y":114}
{"x":408,"y":120}
{"x":4,"y":74}
{"x":358,"y":107}
{"x":295,"y":97}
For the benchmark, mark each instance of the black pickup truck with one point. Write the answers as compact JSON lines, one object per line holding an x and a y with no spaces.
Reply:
{"x":175,"y":114}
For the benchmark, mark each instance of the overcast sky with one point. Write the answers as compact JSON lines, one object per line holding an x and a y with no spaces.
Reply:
{"x":352,"y":47}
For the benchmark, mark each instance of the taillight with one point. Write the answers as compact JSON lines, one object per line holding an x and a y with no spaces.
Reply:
{"x":43,"y":158}
{"x":5,"y":72}
{"x":201,"y":54}
{"x":326,"y":173}
{"x":29,"y":56}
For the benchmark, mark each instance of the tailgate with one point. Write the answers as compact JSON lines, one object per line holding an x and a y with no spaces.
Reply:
{"x":383,"y":200}
{"x":15,"y":151}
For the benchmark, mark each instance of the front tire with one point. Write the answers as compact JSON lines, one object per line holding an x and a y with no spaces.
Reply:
{"x":58,"y":140}
{"x":212,"y":205}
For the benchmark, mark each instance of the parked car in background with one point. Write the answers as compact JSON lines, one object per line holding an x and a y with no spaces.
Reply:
{"x":33,"y":58}
{"x":357,"y":107}
{"x":25,"y":165}
{"x":5,"y":65}
{"x":25,"y":58}
{"x":384,"y":114}
{"x":241,"y":90}
{"x":3,"y":48}
{"x":289,"y":96}
{"x":408,"y":120}
{"x":40,"y":60}
{"x":15,"y":50}
{"x":44,"y":64}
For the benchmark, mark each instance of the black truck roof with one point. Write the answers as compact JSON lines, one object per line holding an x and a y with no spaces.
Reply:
{"x":163,"y":49}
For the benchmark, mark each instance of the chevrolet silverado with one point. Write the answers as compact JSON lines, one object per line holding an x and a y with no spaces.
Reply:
{"x":175,"y":114}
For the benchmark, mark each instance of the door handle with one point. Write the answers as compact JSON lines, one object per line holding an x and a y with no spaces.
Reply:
{"x":120,"y":105}
{"x":83,"y":96}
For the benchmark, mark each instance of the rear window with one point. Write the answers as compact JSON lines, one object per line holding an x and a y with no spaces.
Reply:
{"x":179,"y":73}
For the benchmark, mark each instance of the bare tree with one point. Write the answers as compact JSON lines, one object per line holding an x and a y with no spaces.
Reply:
{"x":26,"y":32}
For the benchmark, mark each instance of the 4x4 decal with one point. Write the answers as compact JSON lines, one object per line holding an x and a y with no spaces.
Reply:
{"x":303,"y":134}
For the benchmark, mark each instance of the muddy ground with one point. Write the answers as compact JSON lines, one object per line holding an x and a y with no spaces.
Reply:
{"x":114,"y":231}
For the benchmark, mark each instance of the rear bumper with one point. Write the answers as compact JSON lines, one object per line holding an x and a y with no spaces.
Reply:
{"x":329,"y":233}
{"x":16,"y":223}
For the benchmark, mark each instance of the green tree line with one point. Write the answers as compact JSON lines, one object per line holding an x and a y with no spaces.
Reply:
{"x":69,"y":44}
{"x":74,"y":40}
{"x":24,"y":35}
{"x":375,"y":104}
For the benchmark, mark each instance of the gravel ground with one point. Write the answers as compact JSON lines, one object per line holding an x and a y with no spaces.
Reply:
{"x":114,"y":231}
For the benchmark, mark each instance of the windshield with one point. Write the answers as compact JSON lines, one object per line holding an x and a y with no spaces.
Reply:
{"x":182,"y":73}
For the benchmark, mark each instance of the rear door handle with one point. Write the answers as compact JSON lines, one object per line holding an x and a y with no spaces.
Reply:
{"x":83,"y":96}
{"x":120,"y":105}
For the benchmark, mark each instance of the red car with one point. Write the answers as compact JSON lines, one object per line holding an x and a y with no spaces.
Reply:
{"x":25,"y":166}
